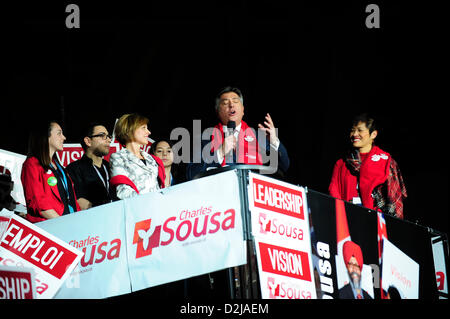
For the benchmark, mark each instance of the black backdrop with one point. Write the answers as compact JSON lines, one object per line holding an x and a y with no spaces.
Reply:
{"x":312,"y":65}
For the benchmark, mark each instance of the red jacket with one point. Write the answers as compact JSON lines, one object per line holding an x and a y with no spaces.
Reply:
{"x":39,"y":195}
{"x":373,"y":172}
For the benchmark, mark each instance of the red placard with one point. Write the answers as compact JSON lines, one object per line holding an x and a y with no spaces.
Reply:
{"x":16,"y":283}
{"x":278,"y":198}
{"x":284,"y":261}
{"x":37,"y":249}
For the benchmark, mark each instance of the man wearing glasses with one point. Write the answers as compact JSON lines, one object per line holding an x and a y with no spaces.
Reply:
{"x":91,"y":173}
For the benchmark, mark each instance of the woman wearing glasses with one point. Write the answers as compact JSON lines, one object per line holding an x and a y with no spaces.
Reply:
{"x":47,"y":187}
{"x":133,"y":170}
{"x":91,"y":173}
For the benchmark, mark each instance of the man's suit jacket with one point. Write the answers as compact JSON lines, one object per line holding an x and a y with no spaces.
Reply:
{"x":195,"y":168}
{"x":346,"y":292}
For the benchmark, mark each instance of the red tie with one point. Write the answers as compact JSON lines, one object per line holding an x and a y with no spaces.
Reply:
{"x":359,"y":296}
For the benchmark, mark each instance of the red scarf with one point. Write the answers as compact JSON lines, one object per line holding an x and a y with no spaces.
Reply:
{"x":373,"y":171}
{"x":248,"y":147}
{"x":122,"y":179}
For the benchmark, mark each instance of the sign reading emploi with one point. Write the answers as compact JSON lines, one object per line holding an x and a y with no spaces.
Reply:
{"x":26,"y":245}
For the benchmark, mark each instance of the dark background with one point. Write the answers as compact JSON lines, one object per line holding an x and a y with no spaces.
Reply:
{"x":312,"y":65}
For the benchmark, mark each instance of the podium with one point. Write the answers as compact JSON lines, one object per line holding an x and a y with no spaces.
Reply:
{"x":407,"y":262}
{"x":236,"y":233}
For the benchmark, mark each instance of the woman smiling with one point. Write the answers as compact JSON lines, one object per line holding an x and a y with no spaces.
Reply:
{"x":134,"y":171}
{"x":368,"y":175}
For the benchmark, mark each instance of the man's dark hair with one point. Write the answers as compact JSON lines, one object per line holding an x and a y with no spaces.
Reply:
{"x":88,"y":130}
{"x":366,"y":119}
{"x":228,"y":89}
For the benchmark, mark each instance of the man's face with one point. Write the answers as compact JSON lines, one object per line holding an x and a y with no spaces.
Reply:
{"x":354,"y":271}
{"x":99,"y":143}
{"x":230,"y":108}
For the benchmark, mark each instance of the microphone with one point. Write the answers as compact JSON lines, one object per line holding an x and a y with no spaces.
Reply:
{"x":231,"y":126}
{"x":230,"y":157}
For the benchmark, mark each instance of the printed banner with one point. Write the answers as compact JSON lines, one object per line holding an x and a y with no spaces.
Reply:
{"x":399,"y":272}
{"x":440,"y":265}
{"x":280,"y":226}
{"x":73,"y":151}
{"x":151,"y":239}
{"x":26,"y":245}
{"x":184,"y":231}
{"x":349,"y":245}
{"x":99,"y":233}
{"x":17,"y":283}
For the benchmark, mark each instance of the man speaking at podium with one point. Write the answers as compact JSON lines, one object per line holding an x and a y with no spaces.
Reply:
{"x":233,"y":141}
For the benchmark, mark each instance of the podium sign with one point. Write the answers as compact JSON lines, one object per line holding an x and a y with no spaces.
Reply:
{"x":280,"y":226}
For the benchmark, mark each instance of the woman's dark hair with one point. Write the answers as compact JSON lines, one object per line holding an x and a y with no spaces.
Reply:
{"x":366,"y":119}
{"x":38,"y":143}
{"x":176,"y":169}
{"x":155,"y":144}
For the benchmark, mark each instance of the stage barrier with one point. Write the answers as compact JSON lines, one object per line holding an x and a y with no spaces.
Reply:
{"x":270,"y":240}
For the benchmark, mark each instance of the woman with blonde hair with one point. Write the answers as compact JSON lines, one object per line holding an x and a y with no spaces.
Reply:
{"x":134,"y":171}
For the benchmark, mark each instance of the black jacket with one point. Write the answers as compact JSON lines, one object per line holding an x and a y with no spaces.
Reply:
{"x":87,"y":181}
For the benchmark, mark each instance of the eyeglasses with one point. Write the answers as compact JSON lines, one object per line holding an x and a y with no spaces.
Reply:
{"x":104,"y":136}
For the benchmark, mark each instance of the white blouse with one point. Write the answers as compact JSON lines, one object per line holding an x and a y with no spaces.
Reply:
{"x":144,"y":176}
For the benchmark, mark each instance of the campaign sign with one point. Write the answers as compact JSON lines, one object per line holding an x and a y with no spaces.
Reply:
{"x":99,"y":233}
{"x":17,"y":283}
{"x":400,"y":271}
{"x":440,"y":266}
{"x":280,"y":227}
{"x":26,"y":245}
{"x":73,"y":151}
{"x":284,"y":273}
{"x":188,"y":230}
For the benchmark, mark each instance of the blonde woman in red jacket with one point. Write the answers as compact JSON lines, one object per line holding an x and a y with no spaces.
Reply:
{"x":368,"y":176}
{"x":48,"y":189}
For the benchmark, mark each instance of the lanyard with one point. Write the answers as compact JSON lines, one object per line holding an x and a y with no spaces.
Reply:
{"x":105,"y":183}
{"x":64,"y":179}
{"x":66,"y":187}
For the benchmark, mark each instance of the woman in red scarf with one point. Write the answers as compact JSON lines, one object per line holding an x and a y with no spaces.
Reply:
{"x":368,"y":175}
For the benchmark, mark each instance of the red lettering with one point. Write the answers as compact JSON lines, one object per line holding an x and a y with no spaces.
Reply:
{"x":115,"y":249}
{"x":205,"y":226}
{"x":101,"y":252}
{"x":169,"y":231}
{"x":188,"y":232}
{"x":229,"y":219}
{"x":215,"y":223}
